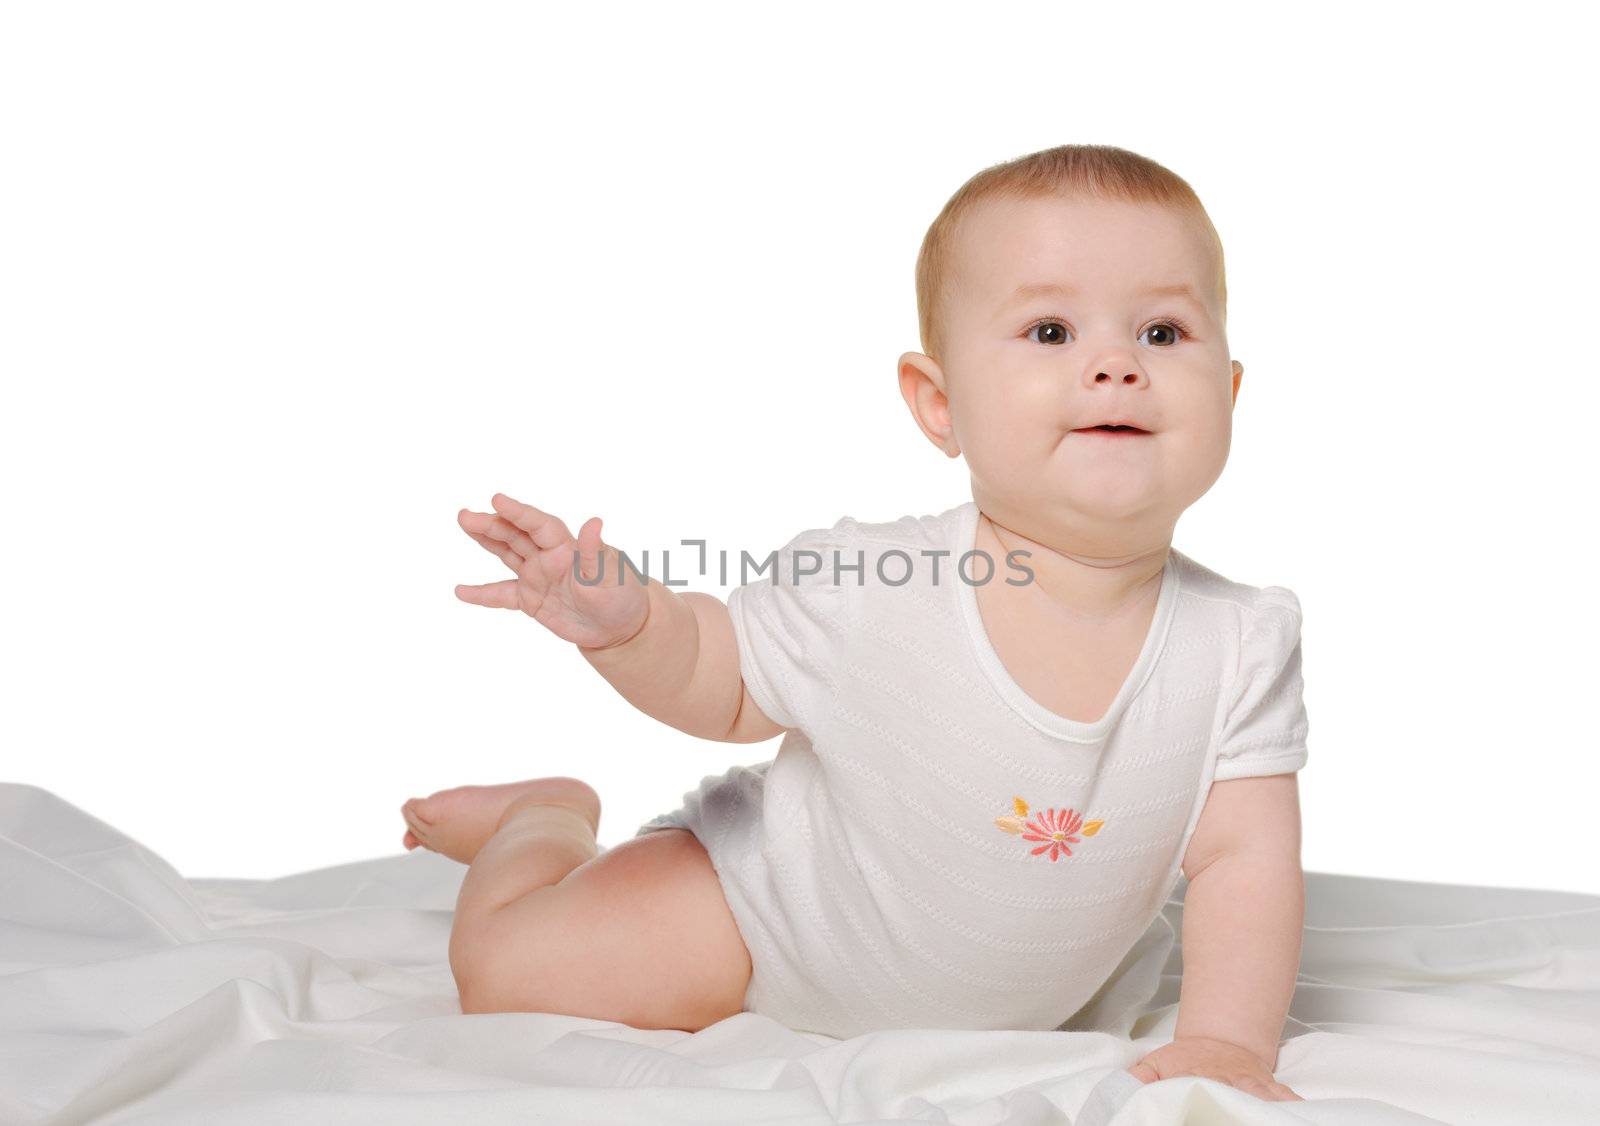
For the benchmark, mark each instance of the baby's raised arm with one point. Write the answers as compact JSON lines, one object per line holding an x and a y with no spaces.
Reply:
{"x":682,"y":668}
{"x":673,"y":656}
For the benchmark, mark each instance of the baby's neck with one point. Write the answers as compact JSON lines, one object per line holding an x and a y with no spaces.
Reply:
{"x":1077,"y":587}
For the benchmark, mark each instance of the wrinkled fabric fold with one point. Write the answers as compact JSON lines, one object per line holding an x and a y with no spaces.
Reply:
{"x":129,"y":994}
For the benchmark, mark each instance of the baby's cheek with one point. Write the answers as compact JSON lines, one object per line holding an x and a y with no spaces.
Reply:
{"x":1193,"y":460}
{"x":1012,"y":468}
{"x":994,"y":460}
{"x":994,"y":434}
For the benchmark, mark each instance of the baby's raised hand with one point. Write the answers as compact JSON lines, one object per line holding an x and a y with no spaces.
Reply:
{"x":540,"y":551}
{"x":1213,"y":1059}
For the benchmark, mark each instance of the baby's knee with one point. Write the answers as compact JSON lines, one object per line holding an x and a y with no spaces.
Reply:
{"x":578,"y":793}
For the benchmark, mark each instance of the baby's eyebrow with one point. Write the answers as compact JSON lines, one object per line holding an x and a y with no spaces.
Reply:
{"x":1028,"y":291}
{"x":1182,"y":289}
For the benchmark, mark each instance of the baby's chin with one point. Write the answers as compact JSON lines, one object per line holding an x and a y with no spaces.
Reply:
{"x":1077,"y":501}
{"x":1126,"y":509}
{"x":1104,"y":495}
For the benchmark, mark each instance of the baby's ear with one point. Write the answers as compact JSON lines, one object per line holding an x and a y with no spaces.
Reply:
{"x":922,"y":384}
{"x":915,"y":365}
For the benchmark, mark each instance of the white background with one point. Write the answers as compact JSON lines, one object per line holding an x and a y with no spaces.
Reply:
{"x":287,"y":285}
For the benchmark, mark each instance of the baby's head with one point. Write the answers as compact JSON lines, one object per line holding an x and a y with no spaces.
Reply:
{"x":1044,"y":302}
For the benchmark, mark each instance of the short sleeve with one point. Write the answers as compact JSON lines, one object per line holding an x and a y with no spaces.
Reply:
{"x":788,"y":621}
{"x":1264,"y":726}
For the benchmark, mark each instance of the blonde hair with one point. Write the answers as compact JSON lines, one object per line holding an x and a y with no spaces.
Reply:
{"x":1073,"y":171}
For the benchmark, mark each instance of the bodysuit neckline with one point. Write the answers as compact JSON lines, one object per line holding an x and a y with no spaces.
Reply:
{"x":1047,"y":721}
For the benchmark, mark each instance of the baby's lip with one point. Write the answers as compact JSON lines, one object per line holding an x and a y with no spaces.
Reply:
{"x":1112,"y":422}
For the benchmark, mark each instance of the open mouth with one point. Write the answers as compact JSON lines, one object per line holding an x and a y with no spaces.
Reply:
{"x":1106,"y":428}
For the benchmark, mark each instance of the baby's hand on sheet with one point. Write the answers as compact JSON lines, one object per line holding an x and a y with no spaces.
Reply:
{"x":540,"y":550}
{"x":1213,"y":1059}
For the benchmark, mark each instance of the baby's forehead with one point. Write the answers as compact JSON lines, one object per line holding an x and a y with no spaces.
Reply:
{"x":1010,"y":249}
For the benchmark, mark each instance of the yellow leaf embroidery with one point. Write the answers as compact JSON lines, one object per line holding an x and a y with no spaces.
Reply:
{"x":1022,"y":807}
{"x":1090,"y":828}
{"x":1011,"y":824}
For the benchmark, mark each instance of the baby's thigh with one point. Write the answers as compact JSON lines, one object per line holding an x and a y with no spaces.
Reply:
{"x":641,"y":934}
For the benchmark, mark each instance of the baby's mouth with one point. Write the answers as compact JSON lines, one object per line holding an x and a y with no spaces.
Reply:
{"x":1114,"y":431}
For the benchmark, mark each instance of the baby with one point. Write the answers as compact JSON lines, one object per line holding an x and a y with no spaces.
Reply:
{"x":1007,"y":727}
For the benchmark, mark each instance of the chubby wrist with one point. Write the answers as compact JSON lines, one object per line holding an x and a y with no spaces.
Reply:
{"x":650,"y":614}
{"x":1268,"y":1055}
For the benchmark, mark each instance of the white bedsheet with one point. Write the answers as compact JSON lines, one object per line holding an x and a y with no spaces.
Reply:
{"x":129,"y":994}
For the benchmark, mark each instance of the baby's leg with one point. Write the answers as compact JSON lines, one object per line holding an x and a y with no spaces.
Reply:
{"x":459,"y":821}
{"x":640,"y":934}
{"x":537,"y":842}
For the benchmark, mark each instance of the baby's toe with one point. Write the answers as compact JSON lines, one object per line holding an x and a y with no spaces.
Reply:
{"x":421,"y":809}
{"x":417,"y":830}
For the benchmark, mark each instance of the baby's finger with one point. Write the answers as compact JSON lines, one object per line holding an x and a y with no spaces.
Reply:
{"x":1285,"y":1094}
{"x":497,"y":528}
{"x":589,"y":545}
{"x":500,"y":551}
{"x":501,"y":595}
{"x":1260,"y":1088}
{"x":545,"y":530}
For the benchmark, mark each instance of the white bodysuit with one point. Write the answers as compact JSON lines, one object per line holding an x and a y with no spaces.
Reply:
{"x":931,"y":847}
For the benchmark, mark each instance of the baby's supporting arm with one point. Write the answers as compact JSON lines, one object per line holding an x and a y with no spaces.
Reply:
{"x":682,"y":668}
{"x":1243,"y":914}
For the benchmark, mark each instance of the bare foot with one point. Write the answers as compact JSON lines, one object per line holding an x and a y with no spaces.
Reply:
{"x":457,"y":822}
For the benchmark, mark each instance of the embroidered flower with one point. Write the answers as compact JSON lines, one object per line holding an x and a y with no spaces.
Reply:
{"x":1055,"y":827}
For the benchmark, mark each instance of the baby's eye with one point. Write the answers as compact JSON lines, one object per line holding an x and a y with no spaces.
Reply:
{"x":1173,"y":332}
{"x":1051,"y":332}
